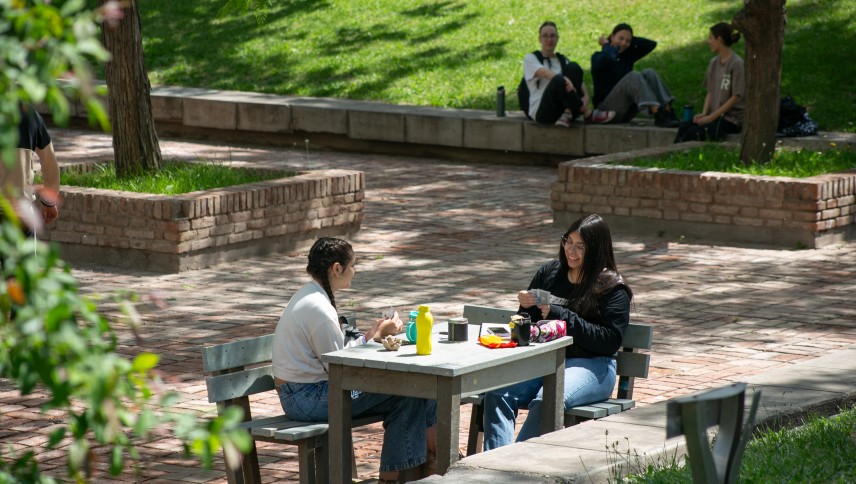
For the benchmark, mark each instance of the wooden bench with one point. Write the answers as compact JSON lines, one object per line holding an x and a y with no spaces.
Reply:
{"x":242,"y":368}
{"x":629,"y":365}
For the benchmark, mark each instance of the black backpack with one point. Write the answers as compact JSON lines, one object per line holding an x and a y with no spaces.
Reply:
{"x":794,"y":119}
{"x":523,"y":88}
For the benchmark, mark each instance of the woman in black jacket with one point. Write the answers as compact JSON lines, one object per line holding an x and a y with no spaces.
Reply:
{"x":588,"y":293}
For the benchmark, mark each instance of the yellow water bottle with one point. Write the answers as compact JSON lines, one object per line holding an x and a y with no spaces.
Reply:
{"x":424,"y":326}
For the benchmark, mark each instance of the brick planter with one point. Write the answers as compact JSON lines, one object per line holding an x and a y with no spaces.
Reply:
{"x":195,"y":230}
{"x":715,"y":207}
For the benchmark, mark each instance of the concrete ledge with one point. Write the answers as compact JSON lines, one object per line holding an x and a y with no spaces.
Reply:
{"x":348,"y":124}
{"x":598,"y":451}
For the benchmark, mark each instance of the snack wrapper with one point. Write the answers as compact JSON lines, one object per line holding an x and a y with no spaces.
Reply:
{"x":493,"y":341}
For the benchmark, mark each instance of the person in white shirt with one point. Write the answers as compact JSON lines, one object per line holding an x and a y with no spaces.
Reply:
{"x":308,"y":328}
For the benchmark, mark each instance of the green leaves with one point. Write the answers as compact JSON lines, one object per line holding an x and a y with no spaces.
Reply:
{"x":54,"y":339}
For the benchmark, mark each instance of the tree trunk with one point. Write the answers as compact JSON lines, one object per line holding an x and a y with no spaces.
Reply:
{"x":762,"y":23}
{"x":135,"y":141}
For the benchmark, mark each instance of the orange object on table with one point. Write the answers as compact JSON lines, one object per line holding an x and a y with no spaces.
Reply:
{"x":493,"y":341}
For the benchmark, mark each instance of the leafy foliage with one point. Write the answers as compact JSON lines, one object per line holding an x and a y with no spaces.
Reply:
{"x":46,"y":52}
{"x":52,"y":338}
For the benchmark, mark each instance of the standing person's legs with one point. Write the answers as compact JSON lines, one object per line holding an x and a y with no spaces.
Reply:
{"x":587,"y":380}
{"x":500,"y":411}
{"x":557,"y":100}
{"x":628,"y":97}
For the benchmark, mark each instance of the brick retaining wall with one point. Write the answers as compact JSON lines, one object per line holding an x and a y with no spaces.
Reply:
{"x":717,"y":207}
{"x":194,"y":230}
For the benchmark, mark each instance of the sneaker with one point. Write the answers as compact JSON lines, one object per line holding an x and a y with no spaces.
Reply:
{"x":565,"y":120}
{"x":600,"y":117}
{"x":666,"y":119}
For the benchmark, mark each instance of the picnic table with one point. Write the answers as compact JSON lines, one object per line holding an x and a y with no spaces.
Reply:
{"x":453,"y":370}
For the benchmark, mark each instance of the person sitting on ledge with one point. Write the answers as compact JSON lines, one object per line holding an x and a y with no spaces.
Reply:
{"x":617,"y":87}
{"x":722,"y":113}
{"x":557,"y":94}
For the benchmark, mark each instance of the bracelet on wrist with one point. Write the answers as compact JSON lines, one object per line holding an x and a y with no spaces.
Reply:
{"x":46,"y":203}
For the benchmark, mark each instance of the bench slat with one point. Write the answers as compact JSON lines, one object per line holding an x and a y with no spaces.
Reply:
{"x":588,"y":411}
{"x":237,"y":354}
{"x":611,"y":408}
{"x":626,"y":404}
{"x":632,"y":364}
{"x":638,"y":336}
{"x":240,"y":384}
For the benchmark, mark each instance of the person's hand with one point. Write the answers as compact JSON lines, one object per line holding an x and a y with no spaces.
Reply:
{"x":603,"y":40}
{"x":525,"y":299}
{"x":545,"y":310}
{"x":386,"y":327}
{"x":703,"y":120}
{"x":49,"y":214}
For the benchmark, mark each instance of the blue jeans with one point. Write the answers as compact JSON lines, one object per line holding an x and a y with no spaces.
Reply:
{"x":587,"y":380}
{"x":404,"y":419}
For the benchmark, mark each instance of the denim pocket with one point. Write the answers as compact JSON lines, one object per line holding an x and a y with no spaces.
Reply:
{"x":305,"y":401}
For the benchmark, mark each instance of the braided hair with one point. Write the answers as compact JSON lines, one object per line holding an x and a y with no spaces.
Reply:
{"x":325,"y":252}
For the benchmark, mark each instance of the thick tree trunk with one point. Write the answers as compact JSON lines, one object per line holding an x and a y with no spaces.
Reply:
{"x":762,"y":23}
{"x":135,"y":141}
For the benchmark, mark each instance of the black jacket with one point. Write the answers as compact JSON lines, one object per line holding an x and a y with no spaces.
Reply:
{"x":608,"y":66}
{"x":596,"y":335}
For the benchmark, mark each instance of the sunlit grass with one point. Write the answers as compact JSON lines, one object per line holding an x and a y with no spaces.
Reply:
{"x":711,"y":157}
{"x":822,"y":450}
{"x":454,"y":53}
{"x":173,"y":179}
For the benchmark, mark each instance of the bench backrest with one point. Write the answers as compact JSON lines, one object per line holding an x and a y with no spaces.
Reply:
{"x":227,"y":364}
{"x":629,"y":363}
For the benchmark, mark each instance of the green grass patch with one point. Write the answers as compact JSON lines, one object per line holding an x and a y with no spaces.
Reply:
{"x":174,"y":178}
{"x":790,"y":163}
{"x":822,"y":450}
{"x":454,"y":53}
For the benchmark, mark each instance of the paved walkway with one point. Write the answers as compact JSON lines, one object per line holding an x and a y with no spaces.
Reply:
{"x":446,"y":234}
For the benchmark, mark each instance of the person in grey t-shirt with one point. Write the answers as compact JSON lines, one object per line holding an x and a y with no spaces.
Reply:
{"x":722,"y":113}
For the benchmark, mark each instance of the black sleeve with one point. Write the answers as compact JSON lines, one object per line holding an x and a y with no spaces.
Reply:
{"x":604,"y":338}
{"x":640,"y":47}
{"x":538,"y":282}
{"x":604,"y":60}
{"x":32,"y":131}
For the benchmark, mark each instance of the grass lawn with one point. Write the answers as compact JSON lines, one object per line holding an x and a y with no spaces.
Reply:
{"x":822,"y":450}
{"x":454,"y":53}
{"x":713,"y":157}
{"x":172,"y":179}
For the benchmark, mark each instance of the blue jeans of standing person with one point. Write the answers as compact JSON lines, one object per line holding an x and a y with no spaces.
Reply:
{"x":634,"y":92}
{"x":404,"y":419}
{"x":587,"y":380}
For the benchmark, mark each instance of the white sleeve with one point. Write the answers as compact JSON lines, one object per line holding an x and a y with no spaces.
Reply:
{"x":530,"y":65}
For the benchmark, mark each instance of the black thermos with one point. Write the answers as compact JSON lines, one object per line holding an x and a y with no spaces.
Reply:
{"x":500,"y":101}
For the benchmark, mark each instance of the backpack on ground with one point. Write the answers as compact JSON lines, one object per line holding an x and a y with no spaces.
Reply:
{"x":794,"y":119}
{"x":523,"y":88}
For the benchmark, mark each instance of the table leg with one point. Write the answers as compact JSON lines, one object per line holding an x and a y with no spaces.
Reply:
{"x":448,"y":422}
{"x":339,"y":431}
{"x":553,"y":406}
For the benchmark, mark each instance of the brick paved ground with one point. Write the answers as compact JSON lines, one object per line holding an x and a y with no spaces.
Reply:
{"x":446,"y":234}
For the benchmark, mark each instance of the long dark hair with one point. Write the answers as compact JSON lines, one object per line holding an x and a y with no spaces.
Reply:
{"x":726,"y":32}
{"x":622,"y":26}
{"x":325,"y":252}
{"x":598,"y":257}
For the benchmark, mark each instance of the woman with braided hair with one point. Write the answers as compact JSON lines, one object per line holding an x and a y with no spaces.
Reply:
{"x":308,"y":328}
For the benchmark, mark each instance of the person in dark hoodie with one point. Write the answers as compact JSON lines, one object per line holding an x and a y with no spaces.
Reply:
{"x":588,"y":293}
{"x":617,"y":87}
